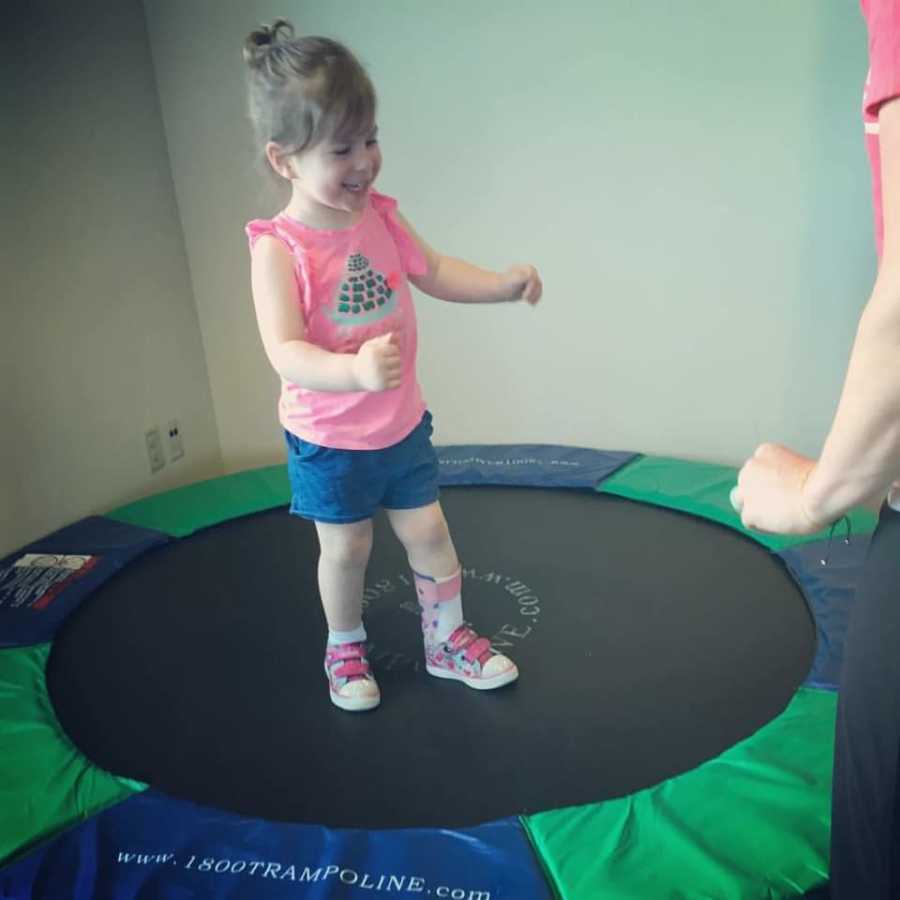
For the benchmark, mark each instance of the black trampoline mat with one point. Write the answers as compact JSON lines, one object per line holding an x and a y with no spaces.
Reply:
{"x":648,"y":642}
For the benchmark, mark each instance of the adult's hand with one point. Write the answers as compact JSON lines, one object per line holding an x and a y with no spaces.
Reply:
{"x":769,"y":492}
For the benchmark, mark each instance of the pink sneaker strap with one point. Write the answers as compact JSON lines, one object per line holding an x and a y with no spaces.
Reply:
{"x":336,"y":652}
{"x":479,"y":649}
{"x":461,"y":637}
{"x":353,"y":668}
{"x":433,"y":590}
{"x":347,"y":661}
{"x":467,"y":640}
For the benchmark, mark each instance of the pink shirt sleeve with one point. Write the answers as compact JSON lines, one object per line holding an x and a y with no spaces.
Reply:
{"x":883,"y":19}
{"x":257,"y":228}
{"x":411,"y":257}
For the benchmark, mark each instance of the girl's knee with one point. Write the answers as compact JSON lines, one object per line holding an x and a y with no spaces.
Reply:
{"x":428,"y":528}
{"x":346,"y":545}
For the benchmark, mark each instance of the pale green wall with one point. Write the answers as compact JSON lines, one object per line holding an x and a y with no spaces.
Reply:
{"x":99,"y":336}
{"x":689,"y":177}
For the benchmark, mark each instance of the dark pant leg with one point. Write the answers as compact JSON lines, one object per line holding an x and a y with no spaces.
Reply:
{"x":865,"y":808}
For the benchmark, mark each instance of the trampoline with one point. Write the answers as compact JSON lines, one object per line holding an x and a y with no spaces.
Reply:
{"x":670,"y":735}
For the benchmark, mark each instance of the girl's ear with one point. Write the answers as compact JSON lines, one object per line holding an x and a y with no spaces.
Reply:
{"x":280,"y":161}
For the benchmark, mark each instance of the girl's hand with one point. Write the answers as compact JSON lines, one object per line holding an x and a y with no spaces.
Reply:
{"x":377,"y":365}
{"x":769,"y":492}
{"x":522,"y":282}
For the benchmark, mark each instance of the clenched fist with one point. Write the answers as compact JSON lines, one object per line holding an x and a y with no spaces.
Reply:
{"x":378,"y":365}
{"x":769,"y":492}
{"x":522,"y":282}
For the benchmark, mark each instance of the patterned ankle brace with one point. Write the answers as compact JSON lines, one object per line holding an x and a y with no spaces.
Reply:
{"x":433,"y":590}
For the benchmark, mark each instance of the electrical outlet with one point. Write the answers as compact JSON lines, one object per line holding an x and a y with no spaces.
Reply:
{"x":154,"y":449}
{"x":176,"y":446}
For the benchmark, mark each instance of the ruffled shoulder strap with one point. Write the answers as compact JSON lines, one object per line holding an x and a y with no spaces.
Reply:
{"x":257,"y":228}
{"x":411,"y":256}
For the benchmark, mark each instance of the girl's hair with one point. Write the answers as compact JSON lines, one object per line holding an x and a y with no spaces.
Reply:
{"x":304,"y":89}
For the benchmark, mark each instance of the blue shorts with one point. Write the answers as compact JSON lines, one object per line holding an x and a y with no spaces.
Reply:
{"x":340,"y":486}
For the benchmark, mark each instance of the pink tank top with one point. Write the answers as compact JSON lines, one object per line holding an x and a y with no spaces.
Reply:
{"x":352,"y":286}
{"x":882,"y":84}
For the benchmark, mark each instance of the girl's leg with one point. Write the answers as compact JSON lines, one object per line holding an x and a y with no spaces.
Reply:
{"x":343,"y":557}
{"x":344,"y":554}
{"x":432,"y":556}
{"x":452,"y":648}
{"x":865,"y":835}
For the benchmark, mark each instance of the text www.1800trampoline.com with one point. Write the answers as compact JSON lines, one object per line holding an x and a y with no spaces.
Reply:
{"x":256,"y":868}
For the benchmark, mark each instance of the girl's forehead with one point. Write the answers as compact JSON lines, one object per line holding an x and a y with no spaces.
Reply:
{"x":348,"y":132}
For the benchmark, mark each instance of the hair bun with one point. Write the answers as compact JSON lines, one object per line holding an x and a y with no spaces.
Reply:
{"x":259,"y":43}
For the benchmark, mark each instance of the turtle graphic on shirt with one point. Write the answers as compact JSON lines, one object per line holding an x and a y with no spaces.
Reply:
{"x":364,"y":294}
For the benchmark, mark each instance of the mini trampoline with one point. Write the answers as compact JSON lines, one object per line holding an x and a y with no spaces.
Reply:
{"x":161,"y":692}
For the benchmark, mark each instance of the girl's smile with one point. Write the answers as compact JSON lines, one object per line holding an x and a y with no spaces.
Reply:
{"x":331,"y":180}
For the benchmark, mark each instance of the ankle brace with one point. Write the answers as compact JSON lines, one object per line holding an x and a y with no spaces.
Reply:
{"x":441,"y":602}
{"x":436,"y":590}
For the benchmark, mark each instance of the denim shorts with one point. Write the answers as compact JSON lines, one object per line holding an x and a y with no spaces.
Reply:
{"x":340,"y":486}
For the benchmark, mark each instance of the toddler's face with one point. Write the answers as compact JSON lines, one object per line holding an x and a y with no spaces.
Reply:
{"x":336,"y":175}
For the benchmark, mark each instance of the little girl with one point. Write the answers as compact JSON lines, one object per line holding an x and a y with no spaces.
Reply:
{"x":329,"y":278}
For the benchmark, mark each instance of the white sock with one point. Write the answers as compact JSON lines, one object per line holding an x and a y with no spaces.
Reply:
{"x":356,"y":636}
